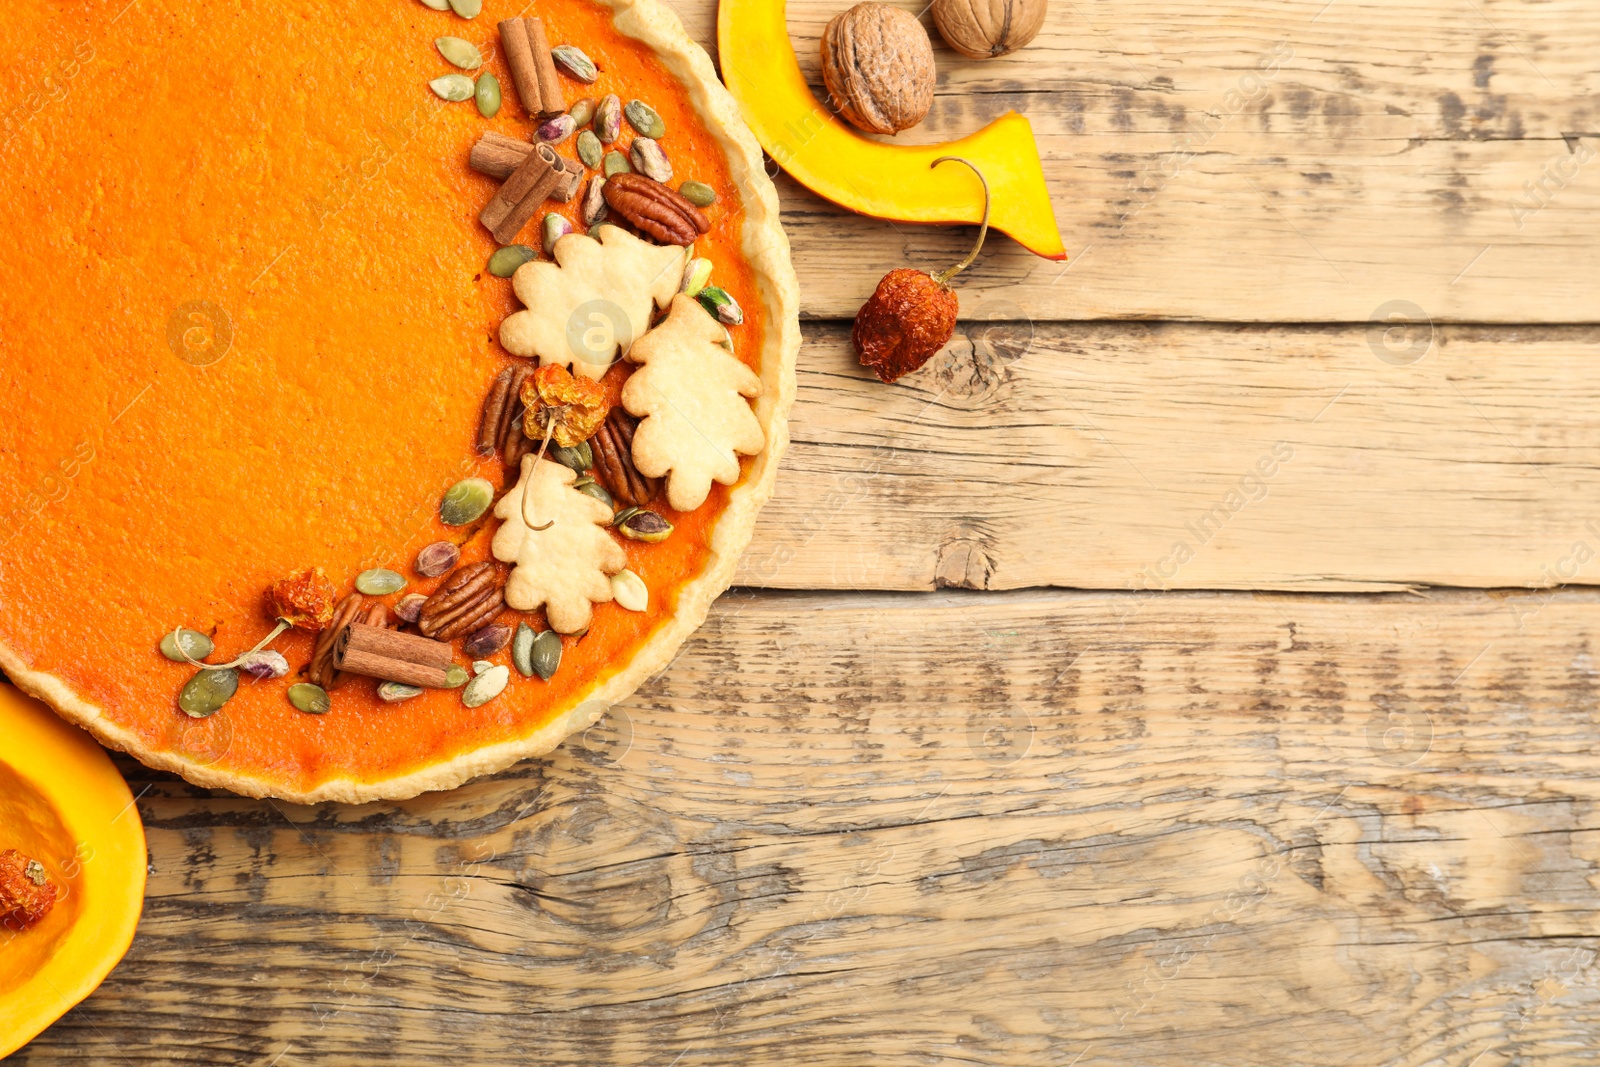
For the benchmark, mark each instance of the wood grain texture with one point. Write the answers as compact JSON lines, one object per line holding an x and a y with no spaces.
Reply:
{"x":1130,"y":456}
{"x":1031,"y":828}
{"x":1272,"y":160}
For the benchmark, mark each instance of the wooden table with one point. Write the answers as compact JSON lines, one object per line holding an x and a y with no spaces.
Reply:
{"x":1195,"y":665}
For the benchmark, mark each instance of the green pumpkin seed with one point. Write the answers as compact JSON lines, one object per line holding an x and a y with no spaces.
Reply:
{"x":207,"y":692}
{"x":195,"y":643}
{"x":630,"y":591}
{"x":311,"y":699}
{"x":624,"y":515}
{"x":598,"y":492}
{"x":546,"y":654}
{"x":453,"y":87}
{"x":488,"y":94}
{"x":580,"y":457}
{"x":456,"y":676}
{"x":522,"y":649}
{"x":505,"y":261}
{"x":616,"y":163}
{"x":379,"y":581}
{"x":466,"y":501}
{"x":437,"y":5}
{"x":698,"y":193}
{"x":724,"y":308}
{"x":467,"y":9}
{"x":481,"y":665}
{"x":394,"y":692}
{"x":645,"y":526}
{"x":642,"y":117}
{"x":590,"y":149}
{"x":459,"y":53}
{"x":582,"y":112}
{"x":486,"y":686}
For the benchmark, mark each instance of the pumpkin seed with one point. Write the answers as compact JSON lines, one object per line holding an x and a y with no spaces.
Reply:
{"x":615,"y":163}
{"x":437,"y":5}
{"x":453,"y":87}
{"x":608,"y":118}
{"x":459,"y":53}
{"x":624,"y":515}
{"x":642,"y":117}
{"x":650,"y":159}
{"x":311,"y":699}
{"x":433,"y":560}
{"x":598,"y":492}
{"x":467,"y":9}
{"x":481,"y":665}
{"x":698,"y":193}
{"x":409,"y":607}
{"x":466,"y":501}
{"x":263,"y":663}
{"x":582,"y":112}
{"x":572,"y":60}
{"x":379,"y":581}
{"x":723,"y":307}
{"x":555,"y":227}
{"x":486,"y":686}
{"x":394,"y":692}
{"x":505,"y":261}
{"x":488,"y":94}
{"x":522,"y":649}
{"x":579,"y":457}
{"x":207,"y":692}
{"x":589,"y":149}
{"x":645,"y":526}
{"x":456,"y":676}
{"x":695,"y":277}
{"x":487,"y":641}
{"x":630,"y":590}
{"x":546,"y":654}
{"x":195,"y":643}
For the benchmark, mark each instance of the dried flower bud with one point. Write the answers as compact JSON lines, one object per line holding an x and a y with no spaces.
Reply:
{"x":304,"y":600}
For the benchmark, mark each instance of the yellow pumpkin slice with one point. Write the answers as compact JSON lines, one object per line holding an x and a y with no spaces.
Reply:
{"x":63,"y":803}
{"x":887,"y":181}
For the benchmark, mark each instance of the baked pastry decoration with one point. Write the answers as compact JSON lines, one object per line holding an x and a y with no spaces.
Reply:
{"x":689,"y":391}
{"x":556,"y":538}
{"x":594,"y":299}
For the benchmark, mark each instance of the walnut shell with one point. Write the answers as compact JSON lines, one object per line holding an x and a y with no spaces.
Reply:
{"x":877,"y":62}
{"x":983,"y":29}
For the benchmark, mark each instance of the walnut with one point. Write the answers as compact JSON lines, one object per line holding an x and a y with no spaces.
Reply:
{"x":982,"y":29}
{"x":877,"y":62}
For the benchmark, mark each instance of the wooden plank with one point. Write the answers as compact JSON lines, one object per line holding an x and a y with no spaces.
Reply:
{"x":1273,"y":160}
{"x":1153,"y":456}
{"x":1032,"y":828}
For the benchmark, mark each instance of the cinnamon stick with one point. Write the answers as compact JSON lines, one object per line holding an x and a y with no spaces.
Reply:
{"x":529,"y":186}
{"x":499,"y":156}
{"x":378,"y":652}
{"x":533,"y":70}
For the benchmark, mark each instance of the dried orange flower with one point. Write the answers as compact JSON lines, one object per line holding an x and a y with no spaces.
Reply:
{"x":304,"y":600}
{"x":565,"y":408}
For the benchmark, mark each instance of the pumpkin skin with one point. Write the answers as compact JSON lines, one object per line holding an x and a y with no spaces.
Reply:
{"x":64,"y":804}
{"x":983,"y":29}
{"x":886,"y":181}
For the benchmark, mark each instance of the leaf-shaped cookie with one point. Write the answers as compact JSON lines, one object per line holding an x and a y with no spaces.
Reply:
{"x":690,"y":393}
{"x":566,"y":567}
{"x":595,"y":298}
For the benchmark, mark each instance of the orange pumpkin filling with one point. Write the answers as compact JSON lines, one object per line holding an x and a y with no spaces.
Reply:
{"x":248,"y":330}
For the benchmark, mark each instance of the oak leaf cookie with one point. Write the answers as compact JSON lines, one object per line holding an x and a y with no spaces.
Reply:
{"x":595,"y":298}
{"x":566,"y":566}
{"x":689,"y":392}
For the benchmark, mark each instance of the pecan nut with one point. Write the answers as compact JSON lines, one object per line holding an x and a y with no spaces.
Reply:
{"x":663,"y":213}
{"x":613,"y":460}
{"x":500,"y":428}
{"x":470,"y":598}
